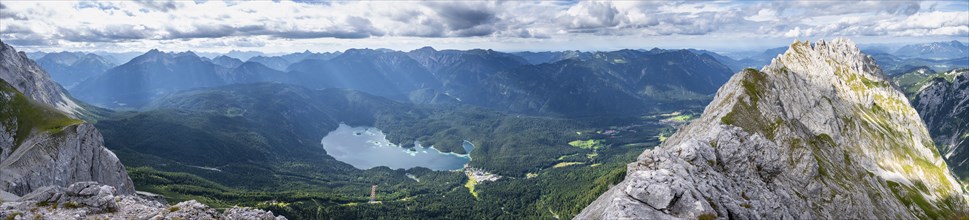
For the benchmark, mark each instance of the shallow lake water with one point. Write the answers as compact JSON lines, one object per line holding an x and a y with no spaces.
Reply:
{"x":368,"y":147}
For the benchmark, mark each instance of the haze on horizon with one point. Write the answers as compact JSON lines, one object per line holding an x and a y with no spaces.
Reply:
{"x":290,"y":26}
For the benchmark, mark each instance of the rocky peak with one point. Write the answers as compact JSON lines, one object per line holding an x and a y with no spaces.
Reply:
{"x":41,"y":143}
{"x":63,"y":57}
{"x":819,"y":133}
{"x":152,"y":55}
{"x":92,"y":59}
{"x":187,"y":54}
{"x":27,"y":77}
{"x":227,"y":61}
{"x":425,"y":49}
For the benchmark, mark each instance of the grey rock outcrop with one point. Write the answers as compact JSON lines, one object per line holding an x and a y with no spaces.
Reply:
{"x":944,"y":106}
{"x":74,"y":154}
{"x":28,"y":77}
{"x":817,"y":134}
{"x":89,"y":200}
{"x":41,"y":143}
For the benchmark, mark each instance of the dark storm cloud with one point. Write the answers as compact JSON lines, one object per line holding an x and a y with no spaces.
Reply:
{"x":460,"y":17}
{"x":451,"y":20}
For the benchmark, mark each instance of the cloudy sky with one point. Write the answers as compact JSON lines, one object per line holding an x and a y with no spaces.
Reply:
{"x":285,"y":26}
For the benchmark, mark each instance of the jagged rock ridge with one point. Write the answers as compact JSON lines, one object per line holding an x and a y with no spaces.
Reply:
{"x":817,"y":134}
{"x":28,"y":78}
{"x":41,"y":143}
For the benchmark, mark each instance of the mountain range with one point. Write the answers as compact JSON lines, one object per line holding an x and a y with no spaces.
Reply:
{"x":501,"y":81}
{"x":819,"y":132}
{"x":282,"y":62}
{"x":69,"y":69}
{"x":934,"y":50}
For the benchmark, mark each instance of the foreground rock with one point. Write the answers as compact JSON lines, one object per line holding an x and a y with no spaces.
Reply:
{"x":817,"y":134}
{"x":89,"y":200}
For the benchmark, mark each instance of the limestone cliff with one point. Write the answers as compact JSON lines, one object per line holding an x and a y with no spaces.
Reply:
{"x":41,"y":142}
{"x":28,"y":78}
{"x":817,"y":134}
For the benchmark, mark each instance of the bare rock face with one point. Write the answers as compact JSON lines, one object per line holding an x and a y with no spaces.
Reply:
{"x":41,"y":142}
{"x":817,"y":134}
{"x":27,"y":77}
{"x":944,"y":106}
{"x":73,"y":154}
{"x":89,"y":200}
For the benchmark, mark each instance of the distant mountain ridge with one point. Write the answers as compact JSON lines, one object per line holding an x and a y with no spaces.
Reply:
{"x":623,"y":82}
{"x":552,"y":56}
{"x":282,"y":62}
{"x":934,"y":50}
{"x":70,"y":68}
{"x":226,"y":61}
{"x":618,"y":82}
{"x":137,"y":82}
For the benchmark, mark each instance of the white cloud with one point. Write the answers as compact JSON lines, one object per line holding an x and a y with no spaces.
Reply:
{"x":764,"y":14}
{"x":65,"y":24}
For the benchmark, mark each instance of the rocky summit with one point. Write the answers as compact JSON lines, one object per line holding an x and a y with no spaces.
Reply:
{"x":28,"y":77}
{"x":819,"y":133}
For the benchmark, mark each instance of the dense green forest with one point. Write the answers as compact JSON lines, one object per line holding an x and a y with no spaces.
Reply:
{"x":222,"y":147}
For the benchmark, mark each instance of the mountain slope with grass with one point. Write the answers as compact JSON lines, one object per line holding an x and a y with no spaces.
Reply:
{"x":41,"y":142}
